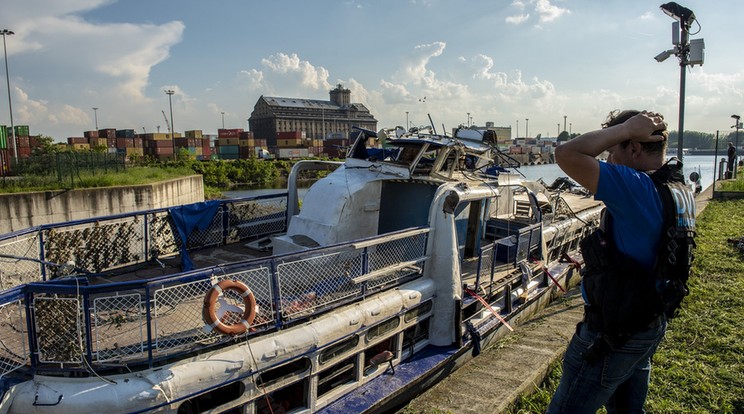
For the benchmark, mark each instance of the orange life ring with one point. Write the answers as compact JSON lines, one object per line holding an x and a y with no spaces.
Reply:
{"x":209,"y":310}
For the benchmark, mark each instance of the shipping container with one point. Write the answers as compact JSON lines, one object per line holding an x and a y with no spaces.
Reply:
{"x":125,"y":133}
{"x":81,"y":146}
{"x":23,"y":142}
{"x":229,"y":149}
{"x":124,"y":142}
{"x":77,"y":140}
{"x":248,"y":142}
{"x":21,"y":130}
{"x":160,"y":151}
{"x":289,"y":142}
{"x":107,"y":133}
{"x":290,"y":135}
{"x":159,"y":144}
{"x":138,"y":142}
{"x":98,"y":142}
{"x":207,"y":151}
{"x":246,"y":135}
{"x":193,"y":133}
{"x":4,"y":161}
{"x":3,"y":137}
{"x":90,"y":134}
{"x":228,"y":156}
{"x":285,"y":153}
{"x":229,"y":133}
{"x":228,"y":141}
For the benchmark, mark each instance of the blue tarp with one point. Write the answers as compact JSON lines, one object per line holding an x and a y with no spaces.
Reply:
{"x":189,"y":217}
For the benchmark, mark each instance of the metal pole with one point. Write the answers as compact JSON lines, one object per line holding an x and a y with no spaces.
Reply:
{"x":223,"y":120}
{"x":526,"y":127}
{"x":95,"y":115}
{"x":564,"y":121}
{"x":685,"y":50}
{"x":170,"y":93}
{"x":10,"y":104}
{"x":736,"y":147}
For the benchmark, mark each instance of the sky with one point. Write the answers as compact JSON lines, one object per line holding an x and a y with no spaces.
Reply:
{"x":534,"y":65}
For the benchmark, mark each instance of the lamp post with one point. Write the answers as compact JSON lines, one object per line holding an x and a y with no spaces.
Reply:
{"x":689,"y":54}
{"x":406,"y":120}
{"x":526,"y":127}
{"x":95,"y":116}
{"x":564,"y":122}
{"x":223,"y":120}
{"x":6,"y":32}
{"x":517,"y":136}
{"x":170,"y":93}
{"x":468,"y":119}
{"x":559,"y":129}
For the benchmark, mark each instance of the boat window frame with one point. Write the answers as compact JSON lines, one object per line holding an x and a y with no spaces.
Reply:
{"x":340,"y":348}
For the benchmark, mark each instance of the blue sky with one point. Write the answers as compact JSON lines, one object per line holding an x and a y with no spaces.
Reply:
{"x":501,"y":60}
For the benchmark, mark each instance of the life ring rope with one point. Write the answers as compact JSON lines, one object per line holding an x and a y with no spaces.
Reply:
{"x":209,"y":309}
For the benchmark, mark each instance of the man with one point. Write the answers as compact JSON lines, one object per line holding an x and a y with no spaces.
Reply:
{"x":731,"y":160}
{"x":600,"y":369}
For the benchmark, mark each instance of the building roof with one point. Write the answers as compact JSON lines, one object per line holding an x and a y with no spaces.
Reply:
{"x":300,"y":102}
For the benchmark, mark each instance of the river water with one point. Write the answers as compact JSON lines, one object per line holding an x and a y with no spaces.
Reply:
{"x":702,"y":164}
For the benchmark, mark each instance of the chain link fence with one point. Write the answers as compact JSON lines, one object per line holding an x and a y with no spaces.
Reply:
{"x":68,"y":167}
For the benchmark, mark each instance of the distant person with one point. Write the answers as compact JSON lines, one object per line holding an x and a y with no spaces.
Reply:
{"x":731,"y":160}
{"x":608,"y":361}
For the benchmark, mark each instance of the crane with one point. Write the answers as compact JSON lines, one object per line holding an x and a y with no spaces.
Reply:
{"x":166,"y":121}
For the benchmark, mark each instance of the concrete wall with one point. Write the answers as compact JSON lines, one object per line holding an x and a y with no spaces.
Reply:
{"x":22,"y":210}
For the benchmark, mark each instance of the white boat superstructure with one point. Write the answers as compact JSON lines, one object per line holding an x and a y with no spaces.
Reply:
{"x":398,"y":264}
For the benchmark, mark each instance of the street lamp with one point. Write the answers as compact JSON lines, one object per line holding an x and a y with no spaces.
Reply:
{"x":526,"y":127}
{"x":564,"y":121}
{"x":10,"y":105}
{"x":517,"y":136}
{"x":95,"y":115}
{"x":468,"y":119}
{"x":223,"y":120}
{"x":170,"y":93}
{"x":689,"y":53}
{"x":559,"y":129}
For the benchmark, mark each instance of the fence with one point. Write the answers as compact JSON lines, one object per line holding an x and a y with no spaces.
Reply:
{"x":78,"y":323}
{"x":66,"y":167}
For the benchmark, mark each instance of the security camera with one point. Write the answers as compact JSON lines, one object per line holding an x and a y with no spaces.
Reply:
{"x":663,"y":55}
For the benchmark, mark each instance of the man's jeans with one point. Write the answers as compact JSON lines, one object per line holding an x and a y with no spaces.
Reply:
{"x":618,"y":380}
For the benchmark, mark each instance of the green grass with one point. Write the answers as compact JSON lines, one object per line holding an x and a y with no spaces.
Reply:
{"x":129,"y":176}
{"x":699,"y":367}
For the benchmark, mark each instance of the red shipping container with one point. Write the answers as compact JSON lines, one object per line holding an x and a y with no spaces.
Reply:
{"x":77,"y":140}
{"x":24,"y":152}
{"x":245,"y":135}
{"x":23,"y":142}
{"x":206,"y":151}
{"x":124,"y":142}
{"x":137,"y":142}
{"x":107,"y":133}
{"x":90,"y":134}
{"x":229,"y":133}
{"x":157,"y":143}
{"x":289,"y":135}
{"x":162,"y":151}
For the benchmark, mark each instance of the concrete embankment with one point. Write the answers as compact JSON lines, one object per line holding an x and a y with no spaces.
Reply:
{"x":23,"y":210}
{"x":492,"y":381}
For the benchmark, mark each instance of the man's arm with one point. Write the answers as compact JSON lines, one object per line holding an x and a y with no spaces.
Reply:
{"x":577,"y":157}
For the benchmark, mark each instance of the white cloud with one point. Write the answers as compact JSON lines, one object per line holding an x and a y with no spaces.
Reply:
{"x":518,"y":19}
{"x":549,"y":12}
{"x":310,"y":76}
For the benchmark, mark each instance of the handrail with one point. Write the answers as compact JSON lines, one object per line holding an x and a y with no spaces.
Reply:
{"x":138,"y":323}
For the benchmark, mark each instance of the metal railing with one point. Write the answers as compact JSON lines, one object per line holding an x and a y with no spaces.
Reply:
{"x":68,"y":325}
{"x":99,"y":245}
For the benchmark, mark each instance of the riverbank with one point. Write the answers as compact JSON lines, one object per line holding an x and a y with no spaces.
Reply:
{"x":701,"y":353}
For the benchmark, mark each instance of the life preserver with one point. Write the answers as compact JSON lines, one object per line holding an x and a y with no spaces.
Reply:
{"x":209,"y":310}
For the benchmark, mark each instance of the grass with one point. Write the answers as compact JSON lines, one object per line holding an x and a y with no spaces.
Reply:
{"x":129,"y":176}
{"x":699,"y":367}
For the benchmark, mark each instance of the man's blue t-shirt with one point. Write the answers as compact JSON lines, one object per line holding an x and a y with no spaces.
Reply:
{"x":636,"y":209}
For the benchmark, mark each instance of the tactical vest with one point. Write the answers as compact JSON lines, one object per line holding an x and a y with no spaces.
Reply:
{"x":624,"y":297}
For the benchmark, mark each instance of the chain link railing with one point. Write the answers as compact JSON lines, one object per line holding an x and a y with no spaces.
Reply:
{"x":103,"y":244}
{"x":89,"y":327}
{"x":19,"y":256}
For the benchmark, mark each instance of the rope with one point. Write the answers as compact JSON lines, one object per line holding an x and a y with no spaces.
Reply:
{"x":493,"y":311}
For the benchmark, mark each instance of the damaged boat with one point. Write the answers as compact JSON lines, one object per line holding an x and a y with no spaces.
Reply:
{"x":395,"y":269}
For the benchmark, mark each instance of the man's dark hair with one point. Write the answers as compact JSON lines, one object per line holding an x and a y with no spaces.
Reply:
{"x":618,"y":117}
